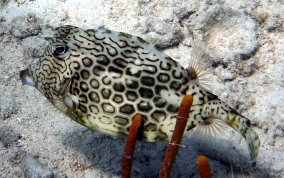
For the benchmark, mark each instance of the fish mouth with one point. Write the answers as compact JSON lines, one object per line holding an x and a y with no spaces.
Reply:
{"x":26,"y":78}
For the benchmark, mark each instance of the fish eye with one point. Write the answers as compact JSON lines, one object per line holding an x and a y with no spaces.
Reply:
{"x":59,"y":50}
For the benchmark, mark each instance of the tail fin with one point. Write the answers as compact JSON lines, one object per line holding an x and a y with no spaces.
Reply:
{"x":219,"y":110}
{"x":253,"y":143}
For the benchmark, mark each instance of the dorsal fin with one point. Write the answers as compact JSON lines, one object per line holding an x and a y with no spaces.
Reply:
{"x":198,"y":72}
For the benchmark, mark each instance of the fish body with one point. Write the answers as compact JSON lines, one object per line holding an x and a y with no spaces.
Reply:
{"x":102,"y":79}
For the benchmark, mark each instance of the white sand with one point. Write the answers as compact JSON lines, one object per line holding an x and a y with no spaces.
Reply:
{"x":248,"y":67}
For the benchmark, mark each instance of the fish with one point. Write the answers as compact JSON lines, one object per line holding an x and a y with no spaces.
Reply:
{"x":101,"y":79}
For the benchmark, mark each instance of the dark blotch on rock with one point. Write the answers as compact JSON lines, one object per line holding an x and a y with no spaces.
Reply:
{"x":25,"y":26}
{"x":8,"y":136}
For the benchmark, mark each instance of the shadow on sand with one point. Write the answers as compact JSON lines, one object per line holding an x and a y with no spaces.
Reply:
{"x":105,"y":152}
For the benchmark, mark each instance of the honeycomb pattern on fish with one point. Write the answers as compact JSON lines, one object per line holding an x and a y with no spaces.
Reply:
{"x":102,"y":79}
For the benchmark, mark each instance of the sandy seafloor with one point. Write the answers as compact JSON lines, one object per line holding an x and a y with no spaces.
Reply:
{"x":248,"y":73}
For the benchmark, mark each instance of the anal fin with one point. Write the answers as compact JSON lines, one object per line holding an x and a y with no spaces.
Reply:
{"x":211,"y":127}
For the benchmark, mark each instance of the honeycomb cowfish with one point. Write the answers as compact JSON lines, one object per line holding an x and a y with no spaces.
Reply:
{"x":102,"y":79}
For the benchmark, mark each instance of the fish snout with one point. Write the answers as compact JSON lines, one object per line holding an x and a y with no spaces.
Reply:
{"x":26,"y":78}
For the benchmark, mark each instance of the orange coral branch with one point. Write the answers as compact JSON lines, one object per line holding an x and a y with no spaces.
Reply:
{"x":204,"y":168}
{"x":130,"y":145}
{"x":174,"y":145}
